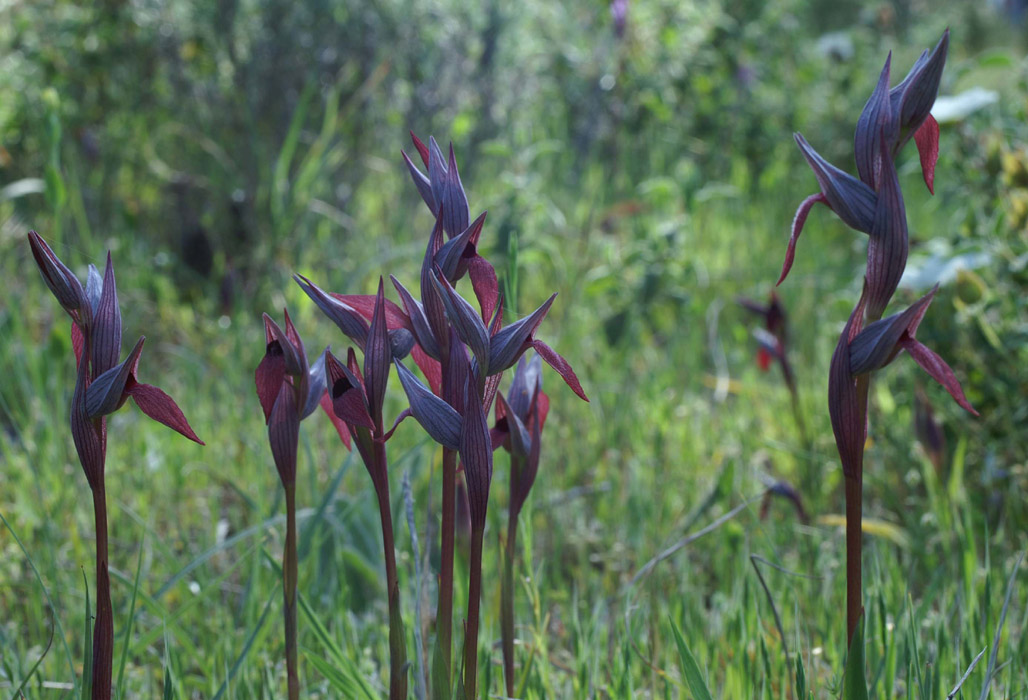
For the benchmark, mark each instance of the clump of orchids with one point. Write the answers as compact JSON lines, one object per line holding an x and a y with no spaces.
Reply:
{"x":872,"y":203}
{"x":102,"y":386}
{"x":461,"y":349}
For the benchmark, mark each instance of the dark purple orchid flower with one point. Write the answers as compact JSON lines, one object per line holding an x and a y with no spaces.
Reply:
{"x":873,"y":204}
{"x":772,"y":337}
{"x":289,"y":390}
{"x":102,"y":385}
{"x":520,"y":417}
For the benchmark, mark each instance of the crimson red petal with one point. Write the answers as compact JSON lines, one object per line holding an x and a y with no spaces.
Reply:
{"x":797,"y":227}
{"x":562,"y":366}
{"x":364,"y":304}
{"x":483,"y":281}
{"x":162,"y":408}
{"x":938,"y":369}
{"x":927,"y":139}
{"x":337,"y":422}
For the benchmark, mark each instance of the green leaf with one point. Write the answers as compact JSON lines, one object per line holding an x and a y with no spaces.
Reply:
{"x":440,"y":683}
{"x":346,"y":679}
{"x":690,"y":669}
{"x":855,"y":683}
{"x":128,"y":628}
{"x":87,"y":644}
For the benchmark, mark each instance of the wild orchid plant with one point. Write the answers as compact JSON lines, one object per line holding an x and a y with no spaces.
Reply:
{"x":289,"y":390}
{"x":462,"y":353}
{"x":873,"y":204}
{"x":102,"y":386}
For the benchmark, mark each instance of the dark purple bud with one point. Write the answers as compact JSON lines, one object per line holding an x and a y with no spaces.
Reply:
{"x":62,"y":282}
{"x":346,"y":392}
{"x":848,"y":416}
{"x":401,"y":342}
{"x":423,"y":334}
{"x":887,"y":246}
{"x":377,"y":357}
{"x":848,"y":197}
{"x":466,"y":321}
{"x":876,"y":123}
{"x":476,"y":453}
{"x":437,"y":417}
{"x":507,"y":346}
{"x":453,"y":257}
{"x":349,"y":321}
{"x":106,"y":393}
{"x":284,"y":433}
{"x":447,"y":190}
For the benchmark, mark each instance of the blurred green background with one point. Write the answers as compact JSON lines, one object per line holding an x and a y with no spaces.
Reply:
{"x":649,"y":176}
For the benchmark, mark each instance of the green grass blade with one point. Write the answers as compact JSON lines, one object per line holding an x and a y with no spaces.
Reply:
{"x":690,"y":669}
{"x":246,"y":647}
{"x":87,"y":644}
{"x":31,"y":671}
{"x":990,"y":670}
{"x":855,"y":683}
{"x":128,"y":628}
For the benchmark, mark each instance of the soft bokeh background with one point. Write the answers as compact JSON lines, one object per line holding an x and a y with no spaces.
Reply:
{"x":647,"y":175}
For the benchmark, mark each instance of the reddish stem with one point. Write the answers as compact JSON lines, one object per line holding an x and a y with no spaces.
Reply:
{"x":103,"y":631}
{"x":397,"y":643}
{"x":471,"y":633}
{"x":289,"y":591}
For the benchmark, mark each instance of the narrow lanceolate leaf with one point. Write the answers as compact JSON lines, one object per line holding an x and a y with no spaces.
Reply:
{"x":62,"y":282}
{"x":349,"y":321}
{"x":797,"y":227}
{"x":877,"y":345}
{"x":562,"y":366}
{"x":347,"y":394}
{"x":437,"y":417}
{"x":421,"y":182}
{"x":106,"y":334}
{"x":690,"y":669}
{"x":887,"y":245}
{"x":162,"y":408}
{"x":852,"y":200}
{"x":88,"y":434}
{"x":875,"y":123}
{"x":849,"y":420}
{"x":377,"y":357}
{"x":465,"y":321}
{"x":284,"y":434}
{"x":423,"y":334}
{"x":107,"y":392}
{"x":476,"y":453}
{"x":927,"y":140}
{"x":855,"y":682}
{"x":507,"y":346}
{"x":938,"y":369}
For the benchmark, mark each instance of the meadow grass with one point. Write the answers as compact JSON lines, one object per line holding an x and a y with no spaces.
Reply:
{"x":645,"y":517}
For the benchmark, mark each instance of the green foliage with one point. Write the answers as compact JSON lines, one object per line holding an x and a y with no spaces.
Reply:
{"x":651,"y":180}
